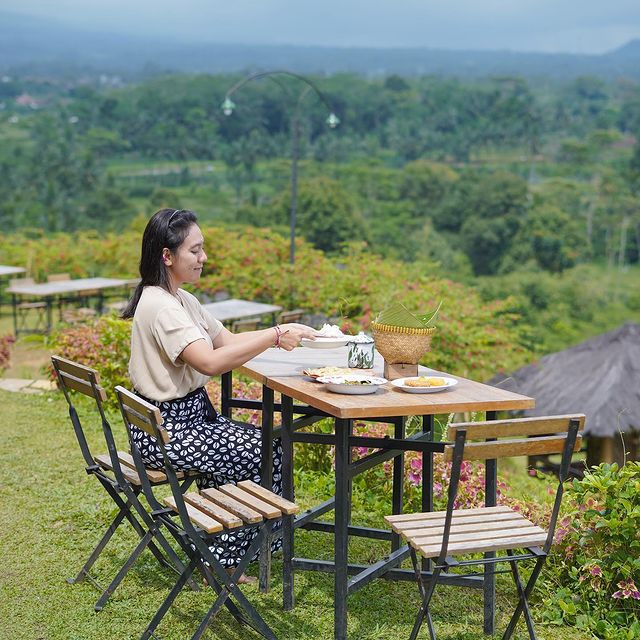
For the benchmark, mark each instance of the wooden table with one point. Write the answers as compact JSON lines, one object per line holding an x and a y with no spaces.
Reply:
{"x":6,"y":270}
{"x":282,"y":371}
{"x":49,"y":291}
{"x":235,"y":309}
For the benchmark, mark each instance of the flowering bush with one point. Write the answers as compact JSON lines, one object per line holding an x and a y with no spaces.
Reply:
{"x":103,"y":345}
{"x":5,"y":351}
{"x":596,"y":559}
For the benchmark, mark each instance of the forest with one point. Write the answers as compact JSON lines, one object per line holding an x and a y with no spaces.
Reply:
{"x":510,"y":185}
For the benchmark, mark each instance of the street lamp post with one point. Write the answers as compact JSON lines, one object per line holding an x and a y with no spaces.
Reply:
{"x":332,"y":121}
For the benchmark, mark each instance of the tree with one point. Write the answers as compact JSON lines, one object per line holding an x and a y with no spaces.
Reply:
{"x":326,"y":216}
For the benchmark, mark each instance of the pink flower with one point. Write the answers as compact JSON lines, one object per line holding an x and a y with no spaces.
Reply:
{"x":627,"y":589}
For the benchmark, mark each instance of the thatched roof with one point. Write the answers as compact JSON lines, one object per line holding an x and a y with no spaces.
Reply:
{"x":599,"y":377}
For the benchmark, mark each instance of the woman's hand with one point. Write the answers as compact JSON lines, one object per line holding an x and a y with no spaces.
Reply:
{"x":292,"y":333}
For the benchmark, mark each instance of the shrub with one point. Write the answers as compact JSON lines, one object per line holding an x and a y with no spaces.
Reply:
{"x":103,"y":345}
{"x":5,"y":351}
{"x":596,"y":564}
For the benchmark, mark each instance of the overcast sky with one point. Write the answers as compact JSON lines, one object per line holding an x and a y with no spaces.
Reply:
{"x":578,"y":26}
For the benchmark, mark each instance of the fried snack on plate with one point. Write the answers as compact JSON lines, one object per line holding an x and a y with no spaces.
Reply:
{"x":424,"y":381}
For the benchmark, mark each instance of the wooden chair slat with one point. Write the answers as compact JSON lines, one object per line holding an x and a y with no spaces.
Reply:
{"x":458,"y":513}
{"x":510,"y":448}
{"x":465,"y":524}
{"x":200,"y":519}
{"x":477,"y":520}
{"x":249,"y":516}
{"x":75,"y":369}
{"x":228,"y":519}
{"x":139,"y":405}
{"x":462,"y":536}
{"x":518,"y":426}
{"x":265,"y":509}
{"x":154,"y":475}
{"x":461,"y":548}
{"x":77,"y":384}
{"x":286,"y":506}
{"x":105,"y":462}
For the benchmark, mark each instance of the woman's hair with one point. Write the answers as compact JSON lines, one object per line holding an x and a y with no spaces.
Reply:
{"x":167,"y":229}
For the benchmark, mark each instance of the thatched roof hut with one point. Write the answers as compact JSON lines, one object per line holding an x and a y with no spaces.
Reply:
{"x":599,"y":377}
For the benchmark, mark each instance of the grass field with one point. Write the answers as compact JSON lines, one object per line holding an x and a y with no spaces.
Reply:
{"x":52,"y":514}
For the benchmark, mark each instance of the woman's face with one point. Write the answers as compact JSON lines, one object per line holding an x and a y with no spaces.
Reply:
{"x":185,"y":265}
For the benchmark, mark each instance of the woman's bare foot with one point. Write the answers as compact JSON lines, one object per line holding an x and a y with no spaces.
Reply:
{"x":244,"y":578}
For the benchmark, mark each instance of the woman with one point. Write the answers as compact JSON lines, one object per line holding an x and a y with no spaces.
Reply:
{"x":175,"y":347}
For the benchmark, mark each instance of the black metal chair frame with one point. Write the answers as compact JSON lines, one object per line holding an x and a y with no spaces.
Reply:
{"x":444,"y":562}
{"x":193,"y":540}
{"x":122,"y":492}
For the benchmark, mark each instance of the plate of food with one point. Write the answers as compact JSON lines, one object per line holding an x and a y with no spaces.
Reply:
{"x":424,"y":384}
{"x":320,"y":372}
{"x":352,"y":383}
{"x":329,"y":337}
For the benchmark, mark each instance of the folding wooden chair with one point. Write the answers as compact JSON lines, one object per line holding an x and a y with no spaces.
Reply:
{"x":459,"y":532}
{"x":115,"y":472}
{"x":197,"y":519}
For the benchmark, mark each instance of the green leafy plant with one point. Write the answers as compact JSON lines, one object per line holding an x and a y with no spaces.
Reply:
{"x":596,"y":561}
{"x":103,"y":345}
{"x":5,"y":351}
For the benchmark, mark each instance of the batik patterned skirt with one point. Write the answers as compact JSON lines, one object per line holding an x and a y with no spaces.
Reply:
{"x":225,"y":452}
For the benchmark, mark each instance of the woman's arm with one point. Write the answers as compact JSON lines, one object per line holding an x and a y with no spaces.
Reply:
{"x":232,"y":350}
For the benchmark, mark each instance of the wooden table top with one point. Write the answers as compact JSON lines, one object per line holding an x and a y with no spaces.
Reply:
{"x":235,"y":309}
{"x":282,"y":371}
{"x":6,"y":270}
{"x":48,"y":289}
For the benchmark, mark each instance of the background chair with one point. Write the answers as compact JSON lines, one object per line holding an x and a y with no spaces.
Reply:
{"x":114,"y":470}
{"x":460,"y":532}
{"x":197,"y":519}
{"x":294,"y":315}
{"x":251,"y":324}
{"x":31,"y":316}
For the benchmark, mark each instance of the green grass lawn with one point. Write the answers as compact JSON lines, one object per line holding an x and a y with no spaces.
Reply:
{"x":52,"y":514}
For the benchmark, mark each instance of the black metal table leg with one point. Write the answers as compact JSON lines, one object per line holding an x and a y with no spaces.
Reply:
{"x":266,"y":476}
{"x":341,"y":534}
{"x":490,"y":499}
{"x":427,"y":477}
{"x":287,"y":492}
{"x":398,"y":479}
{"x":226,"y":389}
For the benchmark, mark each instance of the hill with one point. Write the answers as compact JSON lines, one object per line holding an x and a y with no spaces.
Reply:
{"x":35,"y":45}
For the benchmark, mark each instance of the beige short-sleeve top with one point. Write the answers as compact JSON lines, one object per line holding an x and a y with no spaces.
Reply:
{"x":163,"y":325}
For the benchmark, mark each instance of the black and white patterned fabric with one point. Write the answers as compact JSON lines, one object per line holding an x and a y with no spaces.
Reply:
{"x":225,"y":450}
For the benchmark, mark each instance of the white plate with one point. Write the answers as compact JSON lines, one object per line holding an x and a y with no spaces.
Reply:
{"x":448,"y":383}
{"x":339,"y":384}
{"x":324,"y":343}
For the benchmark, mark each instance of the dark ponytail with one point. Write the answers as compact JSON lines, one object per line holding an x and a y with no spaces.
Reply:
{"x":167,"y":229}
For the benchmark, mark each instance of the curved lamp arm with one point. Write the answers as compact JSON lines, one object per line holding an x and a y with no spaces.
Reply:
{"x":228,"y":105}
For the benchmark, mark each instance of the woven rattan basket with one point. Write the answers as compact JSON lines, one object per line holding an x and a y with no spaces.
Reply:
{"x":401,"y":345}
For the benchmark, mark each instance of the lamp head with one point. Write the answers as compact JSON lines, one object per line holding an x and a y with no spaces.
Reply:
{"x":228,"y":106}
{"x":333,"y":121}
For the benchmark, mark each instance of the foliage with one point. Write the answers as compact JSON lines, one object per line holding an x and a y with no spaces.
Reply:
{"x":41,"y":444}
{"x":5,"y":351}
{"x":326,"y":214}
{"x":103,"y":345}
{"x":596,"y":559}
